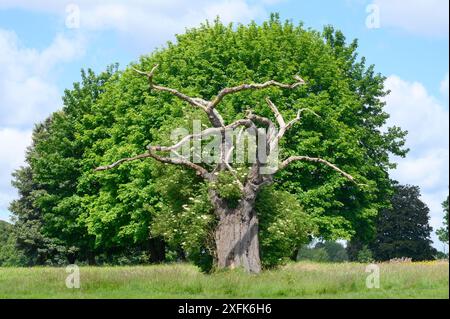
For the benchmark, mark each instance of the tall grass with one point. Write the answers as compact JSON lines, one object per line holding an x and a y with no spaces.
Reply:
{"x":297,"y":280}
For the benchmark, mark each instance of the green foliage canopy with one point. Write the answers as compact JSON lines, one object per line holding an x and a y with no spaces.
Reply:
{"x":403,"y":230}
{"x":113,"y":115}
{"x":443,"y":232}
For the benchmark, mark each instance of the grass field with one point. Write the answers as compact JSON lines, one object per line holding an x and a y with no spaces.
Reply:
{"x":297,"y":280}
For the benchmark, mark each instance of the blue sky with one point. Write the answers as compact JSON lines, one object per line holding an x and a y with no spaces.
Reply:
{"x":42,"y":49}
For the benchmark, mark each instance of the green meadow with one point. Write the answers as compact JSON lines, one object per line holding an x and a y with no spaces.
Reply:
{"x":295,"y":280}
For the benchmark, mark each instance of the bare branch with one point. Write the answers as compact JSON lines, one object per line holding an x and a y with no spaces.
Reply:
{"x":230,"y":151}
{"x":215,"y":118}
{"x":184,"y":140}
{"x":272,"y":130}
{"x":298,"y":117}
{"x":147,"y":74}
{"x":197,"y":102}
{"x":257,"y":118}
{"x":317,"y":160}
{"x":254,"y":86}
{"x":204,"y":133}
{"x":123,"y":160}
{"x":140,"y":72}
{"x":228,"y":157}
{"x":283,"y":126}
{"x":277,"y":113}
{"x":209,"y":106}
{"x":181,"y":161}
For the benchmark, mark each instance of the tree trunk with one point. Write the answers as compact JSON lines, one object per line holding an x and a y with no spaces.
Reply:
{"x":236,"y":239}
{"x":91,"y":258}
{"x":181,"y":255}
{"x":157,"y":249}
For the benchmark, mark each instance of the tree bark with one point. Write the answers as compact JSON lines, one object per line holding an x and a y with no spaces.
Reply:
{"x":181,"y":255}
{"x":236,"y":237}
{"x":157,"y":249}
{"x":91,"y":258}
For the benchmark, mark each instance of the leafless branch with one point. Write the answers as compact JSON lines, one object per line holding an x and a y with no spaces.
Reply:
{"x":197,"y":102}
{"x":208,"y":132}
{"x":255,"y":86}
{"x":277,"y":113}
{"x":316,"y":160}
{"x":123,"y":160}
{"x":283,"y":127}
{"x":219,"y":127}
{"x":228,"y":157}
{"x":260,"y":119}
{"x":209,"y":106}
{"x":181,"y":161}
{"x":147,"y":74}
{"x":298,"y":117}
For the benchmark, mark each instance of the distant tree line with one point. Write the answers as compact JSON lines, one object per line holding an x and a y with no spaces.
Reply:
{"x":402,"y":231}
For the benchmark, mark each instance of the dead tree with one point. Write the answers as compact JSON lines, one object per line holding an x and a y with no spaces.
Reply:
{"x":236,"y":235}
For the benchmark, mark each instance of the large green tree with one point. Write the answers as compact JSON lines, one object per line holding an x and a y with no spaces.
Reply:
{"x":5,"y":231}
{"x":38,"y":247}
{"x":140,"y":205}
{"x":47,"y":211}
{"x":213,"y":62}
{"x":9,"y":254}
{"x":443,"y":232}
{"x":403,"y":230}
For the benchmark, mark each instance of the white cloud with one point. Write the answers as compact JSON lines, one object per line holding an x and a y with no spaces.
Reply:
{"x":427,"y":121}
{"x":27,"y":91}
{"x":61,"y":50}
{"x":149,"y":17}
{"x":428,"y":169}
{"x":141,"y":26}
{"x":272,"y":2}
{"x":13,"y":144}
{"x":423,"y":17}
{"x":147,"y":24}
{"x":28,"y":94}
{"x":444,"y":86}
{"x":412,"y":108}
{"x":25,"y":101}
{"x":233,"y":10}
{"x":434,"y":202}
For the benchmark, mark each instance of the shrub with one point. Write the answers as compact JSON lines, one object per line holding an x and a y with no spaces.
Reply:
{"x":284,"y":226}
{"x":365,"y":255}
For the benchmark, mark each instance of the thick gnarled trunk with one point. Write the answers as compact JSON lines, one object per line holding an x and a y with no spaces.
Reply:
{"x":237,"y":241}
{"x":236,"y":235}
